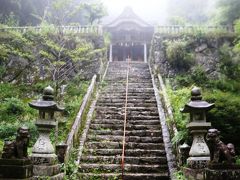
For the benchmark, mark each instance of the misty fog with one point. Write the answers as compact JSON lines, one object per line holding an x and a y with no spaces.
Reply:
{"x":159,"y":12}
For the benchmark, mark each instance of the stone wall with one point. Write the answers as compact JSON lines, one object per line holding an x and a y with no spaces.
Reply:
{"x":204,"y":48}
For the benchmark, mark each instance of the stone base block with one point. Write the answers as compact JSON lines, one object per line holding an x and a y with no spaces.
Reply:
{"x":47,"y":159}
{"x":56,"y":177}
{"x":16,"y":169}
{"x":44,"y":170}
{"x":222,"y":174}
{"x":198,"y":162}
{"x":193,"y":174}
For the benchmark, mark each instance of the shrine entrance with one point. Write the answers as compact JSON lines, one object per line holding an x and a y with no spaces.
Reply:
{"x":122,"y":52}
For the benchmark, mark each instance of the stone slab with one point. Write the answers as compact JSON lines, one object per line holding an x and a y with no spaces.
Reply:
{"x":42,"y":170}
{"x":222,"y":174}
{"x":198,"y":162}
{"x":46,"y":159}
{"x":193,"y":174}
{"x":56,"y":177}
{"x":15,"y":168}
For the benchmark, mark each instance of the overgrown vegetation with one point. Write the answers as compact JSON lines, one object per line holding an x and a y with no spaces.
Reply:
{"x":223,"y":90}
{"x":31,"y":61}
{"x":178,"y":54}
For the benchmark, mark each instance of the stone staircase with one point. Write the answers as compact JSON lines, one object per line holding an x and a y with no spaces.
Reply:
{"x":145,"y":156}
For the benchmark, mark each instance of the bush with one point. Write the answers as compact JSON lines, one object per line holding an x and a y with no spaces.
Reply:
{"x":225,"y":116}
{"x":178,"y":54}
{"x":178,"y":99}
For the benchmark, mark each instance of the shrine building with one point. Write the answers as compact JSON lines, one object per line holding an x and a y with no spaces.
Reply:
{"x":130,"y":37}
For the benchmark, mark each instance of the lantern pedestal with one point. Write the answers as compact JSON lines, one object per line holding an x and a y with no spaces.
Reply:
{"x":199,"y":154}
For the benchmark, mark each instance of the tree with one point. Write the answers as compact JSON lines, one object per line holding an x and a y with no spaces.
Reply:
{"x":191,"y":11}
{"x":227,"y":11}
{"x":94,"y":12}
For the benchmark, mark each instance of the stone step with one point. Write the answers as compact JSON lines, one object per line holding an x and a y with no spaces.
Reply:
{"x":142,"y":133}
{"x":113,"y":108}
{"x":134,"y":90}
{"x":121,"y":116}
{"x":131,"y":99}
{"x":117,"y":168}
{"x":124,"y":80}
{"x":127,"y":159}
{"x":120,"y":127}
{"x":141,"y":104}
{"x":128,"y":152}
{"x":132,"y":122}
{"x":127,"y":176}
{"x":128,"y":139}
{"x":128,"y":145}
{"x":101,"y":113}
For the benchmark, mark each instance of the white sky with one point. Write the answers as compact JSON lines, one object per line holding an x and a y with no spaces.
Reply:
{"x":152,"y":11}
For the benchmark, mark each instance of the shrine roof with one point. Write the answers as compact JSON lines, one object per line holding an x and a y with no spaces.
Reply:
{"x":128,"y":15}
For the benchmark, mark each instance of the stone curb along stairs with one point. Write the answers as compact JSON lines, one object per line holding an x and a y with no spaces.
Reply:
{"x":145,"y":151}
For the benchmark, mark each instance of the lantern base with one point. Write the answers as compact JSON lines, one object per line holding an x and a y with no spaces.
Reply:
{"x":46,"y":159}
{"x":197,"y":162}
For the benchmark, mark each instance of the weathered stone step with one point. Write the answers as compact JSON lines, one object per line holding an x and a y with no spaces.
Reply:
{"x":129,"y":139}
{"x":132,"y":122}
{"x":134,"y":90}
{"x":120,"y":127}
{"x":113,"y":108}
{"x":127,"y":176}
{"x":128,"y":145}
{"x":142,"y":133}
{"x":127,"y":159}
{"x":115,"y":113}
{"x":121,"y":116}
{"x":124,"y":81}
{"x":140,"y":104}
{"x":128,"y":152}
{"x":117,"y":168}
{"x":131,"y":99}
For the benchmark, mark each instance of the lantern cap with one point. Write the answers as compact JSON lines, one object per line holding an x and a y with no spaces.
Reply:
{"x":196,"y":102}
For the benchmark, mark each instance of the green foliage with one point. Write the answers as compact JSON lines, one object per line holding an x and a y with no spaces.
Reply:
{"x":225,"y":116}
{"x":177,"y":20}
{"x":71,"y":168}
{"x":237,"y":26}
{"x":193,"y":12}
{"x":94,"y":12}
{"x":238,"y":160}
{"x":198,"y":76}
{"x":75,"y":92}
{"x":180,"y":176}
{"x":12,"y":106}
{"x":228,"y":11}
{"x":9,"y":20}
{"x":178,"y":54}
{"x":178,"y":99}
{"x":229,"y":62}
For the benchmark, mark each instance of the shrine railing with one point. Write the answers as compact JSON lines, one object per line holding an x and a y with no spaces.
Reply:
{"x":191,"y":29}
{"x":65,"y":29}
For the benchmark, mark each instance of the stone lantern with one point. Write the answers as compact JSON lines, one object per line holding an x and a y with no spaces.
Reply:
{"x":199,"y":154}
{"x":43,"y":153}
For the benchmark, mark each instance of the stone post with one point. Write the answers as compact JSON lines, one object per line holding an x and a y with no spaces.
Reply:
{"x":145,"y":52}
{"x":43,"y":154}
{"x":110,"y":53}
{"x":199,"y":154}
